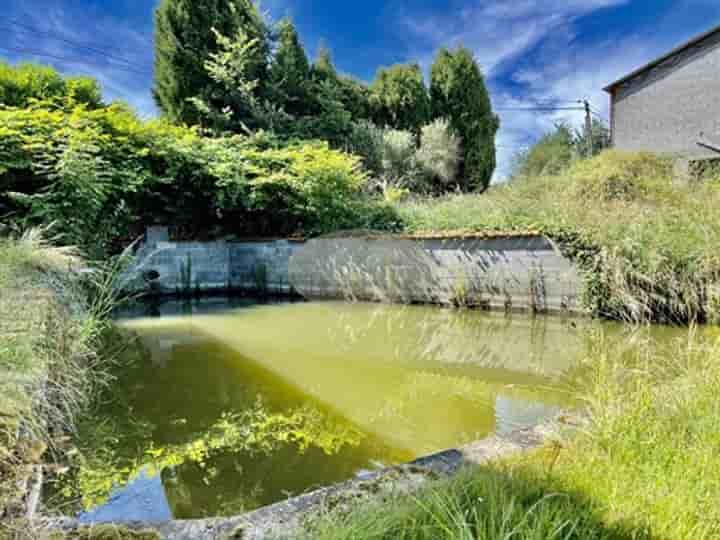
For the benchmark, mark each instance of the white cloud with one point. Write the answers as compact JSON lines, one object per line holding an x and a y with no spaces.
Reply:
{"x":118,"y":55}
{"x":533,"y":51}
{"x":497,"y":30}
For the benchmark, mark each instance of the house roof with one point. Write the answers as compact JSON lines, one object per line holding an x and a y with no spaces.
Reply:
{"x":692,"y":42}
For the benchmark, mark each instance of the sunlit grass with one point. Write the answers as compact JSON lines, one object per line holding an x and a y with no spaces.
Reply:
{"x":52,"y":323}
{"x":647,"y":242}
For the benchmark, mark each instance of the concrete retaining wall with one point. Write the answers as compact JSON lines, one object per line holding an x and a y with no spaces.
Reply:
{"x":167,"y":267}
{"x":508,"y":272}
{"x":503,"y":272}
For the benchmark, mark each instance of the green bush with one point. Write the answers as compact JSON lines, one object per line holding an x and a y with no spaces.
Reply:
{"x":440,"y":156}
{"x":100,"y":176}
{"x":552,"y":154}
{"x":22,"y":84}
{"x":365,"y":141}
{"x":619,"y":175}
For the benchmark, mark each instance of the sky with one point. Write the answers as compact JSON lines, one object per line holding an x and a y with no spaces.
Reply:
{"x":531,"y":51}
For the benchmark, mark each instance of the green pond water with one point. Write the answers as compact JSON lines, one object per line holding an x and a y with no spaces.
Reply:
{"x":221,"y":408}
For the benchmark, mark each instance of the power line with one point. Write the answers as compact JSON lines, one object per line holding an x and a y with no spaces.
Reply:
{"x":53,"y":35}
{"x":539,"y":109}
{"x":45,"y":54}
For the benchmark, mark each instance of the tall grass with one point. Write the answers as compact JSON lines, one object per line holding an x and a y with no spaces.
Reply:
{"x":53,"y":319}
{"x":647,"y":243}
{"x":645,"y":466}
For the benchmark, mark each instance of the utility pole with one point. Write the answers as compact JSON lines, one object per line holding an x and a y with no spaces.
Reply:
{"x":588,"y":126}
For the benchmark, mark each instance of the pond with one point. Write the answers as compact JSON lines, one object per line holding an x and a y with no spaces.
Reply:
{"x":223,"y":407}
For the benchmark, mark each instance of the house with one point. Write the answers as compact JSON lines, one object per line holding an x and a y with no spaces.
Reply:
{"x":672,"y":104}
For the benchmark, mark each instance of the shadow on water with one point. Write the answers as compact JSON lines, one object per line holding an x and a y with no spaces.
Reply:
{"x":221,"y":408}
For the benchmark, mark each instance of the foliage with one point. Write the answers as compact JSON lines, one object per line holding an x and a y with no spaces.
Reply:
{"x":398,"y":155}
{"x":323,"y":68}
{"x":458,"y":93}
{"x":440,"y":156}
{"x":290,"y":72}
{"x":113,"y":462}
{"x":400,"y":99}
{"x":552,"y":154}
{"x":599,"y":134}
{"x":366,"y":140}
{"x":185,"y":38}
{"x":24,"y":83}
{"x":101,"y":176}
{"x":558,"y":149}
{"x":235,"y":103}
{"x":53,"y":323}
{"x":645,"y":252}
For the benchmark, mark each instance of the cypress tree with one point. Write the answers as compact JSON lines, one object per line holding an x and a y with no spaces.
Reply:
{"x":400,"y":98}
{"x":290,"y":71}
{"x":184,"y":41}
{"x":458,"y":93}
{"x":323,"y":68}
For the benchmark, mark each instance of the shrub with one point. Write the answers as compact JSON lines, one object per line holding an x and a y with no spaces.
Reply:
{"x":398,"y":156}
{"x":619,"y":175}
{"x":102,"y":176}
{"x":440,"y":155}
{"x":22,"y":84}
{"x":552,"y":154}
{"x":366,"y":141}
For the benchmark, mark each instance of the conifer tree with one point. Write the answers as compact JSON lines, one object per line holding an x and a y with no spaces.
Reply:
{"x":186,"y":35}
{"x":290,"y":71}
{"x":400,"y":98}
{"x":458,"y":93}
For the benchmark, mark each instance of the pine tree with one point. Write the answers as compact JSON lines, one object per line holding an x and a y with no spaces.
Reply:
{"x":323,"y":68}
{"x":458,"y":93}
{"x":400,"y":98}
{"x":290,"y":72}
{"x":185,"y":36}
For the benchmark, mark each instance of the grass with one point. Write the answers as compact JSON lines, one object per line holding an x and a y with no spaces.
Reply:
{"x":646,"y":467}
{"x":647,"y":244}
{"x":52,"y":323}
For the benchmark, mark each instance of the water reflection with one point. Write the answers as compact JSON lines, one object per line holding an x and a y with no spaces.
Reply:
{"x":236,"y":409}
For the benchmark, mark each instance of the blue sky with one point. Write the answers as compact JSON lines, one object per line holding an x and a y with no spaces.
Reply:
{"x":532,"y":51}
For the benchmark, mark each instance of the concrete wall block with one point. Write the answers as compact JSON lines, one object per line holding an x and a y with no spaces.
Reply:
{"x":529,"y":274}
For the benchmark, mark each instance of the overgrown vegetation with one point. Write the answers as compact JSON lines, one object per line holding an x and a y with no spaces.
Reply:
{"x":643,"y":468}
{"x":52,"y":324}
{"x":100,"y":176}
{"x":645,"y":243}
{"x":223,"y":66}
{"x":558,"y":149}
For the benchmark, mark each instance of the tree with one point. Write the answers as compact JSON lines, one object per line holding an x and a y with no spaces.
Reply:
{"x":21,"y":84}
{"x":458,"y":93}
{"x":186,"y":35}
{"x":290,"y":71}
{"x":600,"y":138}
{"x":237,"y":103}
{"x":323,"y":68}
{"x":400,"y":98}
{"x":551,"y":155}
{"x":356,"y":97}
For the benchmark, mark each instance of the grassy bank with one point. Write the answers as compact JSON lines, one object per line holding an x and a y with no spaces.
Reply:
{"x":50,"y":367}
{"x":646,"y":466}
{"x":646,"y":242}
